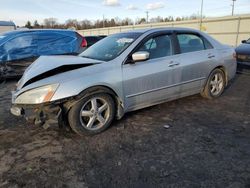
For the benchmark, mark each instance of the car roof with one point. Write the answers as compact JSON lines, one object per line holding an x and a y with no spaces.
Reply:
{"x":214,"y":42}
{"x":163,"y":29}
{"x":38,"y":31}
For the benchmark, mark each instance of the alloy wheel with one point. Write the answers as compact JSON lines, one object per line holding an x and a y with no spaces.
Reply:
{"x":94,"y":113}
{"x":216,"y":84}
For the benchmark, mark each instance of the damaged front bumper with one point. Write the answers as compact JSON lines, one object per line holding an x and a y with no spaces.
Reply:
{"x":44,"y":115}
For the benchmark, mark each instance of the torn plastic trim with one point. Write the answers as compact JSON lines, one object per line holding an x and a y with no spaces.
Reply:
{"x":58,"y":70}
{"x":43,"y":115}
{"x":15,"y":68}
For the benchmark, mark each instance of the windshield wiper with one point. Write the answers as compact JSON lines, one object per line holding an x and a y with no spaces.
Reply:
{"x":92,"y":58}
{"x":83,"y":56}
{"x":86,"y":57}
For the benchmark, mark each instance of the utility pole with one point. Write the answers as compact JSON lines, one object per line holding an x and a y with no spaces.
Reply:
{"x":201,"y":15}
{"x":147,"y":16}
{"x":103,"y":24}
{"x":233,"y":7}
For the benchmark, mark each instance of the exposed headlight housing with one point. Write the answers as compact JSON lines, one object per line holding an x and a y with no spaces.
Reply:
{"x":243,"y":57}
{"x":38,"y":95}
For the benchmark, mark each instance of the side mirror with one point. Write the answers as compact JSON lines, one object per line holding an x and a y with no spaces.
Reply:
{"x":243,"y":41}
{"x":140,"y":56}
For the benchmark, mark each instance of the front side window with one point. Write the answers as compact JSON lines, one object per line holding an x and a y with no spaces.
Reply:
{"x":20,"y":47}
{"x":159,"y":46}
{"x":190,"y":43}
{"x":110,"y":47}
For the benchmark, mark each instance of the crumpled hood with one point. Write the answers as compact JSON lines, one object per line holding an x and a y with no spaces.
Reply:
{"x":46,"y":66}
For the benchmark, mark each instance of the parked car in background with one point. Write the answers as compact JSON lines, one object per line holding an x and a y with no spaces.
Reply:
{"x":121,"y":73}
{"x":7,"y":26}
{"x":18,"y":49}
{"x":93,"y":39}
{"x":90,"y":40}
{"x":243,"y":56}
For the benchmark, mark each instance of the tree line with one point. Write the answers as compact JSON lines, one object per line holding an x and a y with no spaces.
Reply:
{"x":87,"y":24}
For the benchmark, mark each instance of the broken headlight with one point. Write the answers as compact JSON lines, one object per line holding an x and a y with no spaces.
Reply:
{"x":38,"y":95}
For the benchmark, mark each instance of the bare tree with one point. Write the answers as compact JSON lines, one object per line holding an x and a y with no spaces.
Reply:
{"x":28,"y":25}
{"x":140,"y":21}
{"x":157,"y":19}
{"x":87,"y":24}
{"x":36,"y":24}
{"x":50,"y":22}
{"x":127,"y":21}
{"x":72,"y":23}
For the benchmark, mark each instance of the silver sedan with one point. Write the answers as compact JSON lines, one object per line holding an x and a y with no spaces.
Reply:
{"x":121,"y":73}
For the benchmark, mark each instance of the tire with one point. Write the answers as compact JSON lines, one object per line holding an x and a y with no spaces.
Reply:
{"x":215,"y":84}
{"x":92,"y":115}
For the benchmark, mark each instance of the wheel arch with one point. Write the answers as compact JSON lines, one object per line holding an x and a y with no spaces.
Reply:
{"x":95,"y":90}
{"x":223,"y":69}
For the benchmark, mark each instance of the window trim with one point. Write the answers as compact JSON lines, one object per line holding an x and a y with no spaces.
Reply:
{"x":128,"y":59}
{"x":190,"y":33}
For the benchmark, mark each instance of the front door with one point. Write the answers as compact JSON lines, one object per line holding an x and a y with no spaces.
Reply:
{"x":155,"y":80}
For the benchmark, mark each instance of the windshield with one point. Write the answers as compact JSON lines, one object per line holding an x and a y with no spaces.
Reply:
{"x":110,"y":47}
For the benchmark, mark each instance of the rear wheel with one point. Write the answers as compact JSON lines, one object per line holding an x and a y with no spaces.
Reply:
{"x":92,"y":114}
{"x":215,"y":84}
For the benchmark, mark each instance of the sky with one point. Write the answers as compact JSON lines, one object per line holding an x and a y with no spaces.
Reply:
{"x":20,"y":11}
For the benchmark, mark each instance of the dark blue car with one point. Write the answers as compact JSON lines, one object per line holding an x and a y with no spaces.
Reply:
{"x":243,"y":56}
{"x":18,"y":49}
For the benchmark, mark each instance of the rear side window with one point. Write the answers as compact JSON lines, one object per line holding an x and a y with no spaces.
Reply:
{"x":159,"y":46}
{"x":192,"y":43}
{"x":54,"y":43}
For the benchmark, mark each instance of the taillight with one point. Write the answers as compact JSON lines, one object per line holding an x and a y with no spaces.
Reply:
{"x":234,"y":55}
{"x":84,"y":42}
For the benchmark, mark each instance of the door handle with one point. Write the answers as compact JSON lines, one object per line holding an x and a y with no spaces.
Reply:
{"x":172,"y":64}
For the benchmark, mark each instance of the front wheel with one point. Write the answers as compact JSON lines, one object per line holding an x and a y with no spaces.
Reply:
{"x":92,"y":115}
{"x":215,"y":84}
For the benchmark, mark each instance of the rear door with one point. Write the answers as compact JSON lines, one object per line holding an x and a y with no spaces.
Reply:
{"x":155,"y":80}
{"x":196,"y":55}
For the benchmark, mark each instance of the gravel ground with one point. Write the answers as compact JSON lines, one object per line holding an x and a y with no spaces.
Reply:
{"x":191,"y":142}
